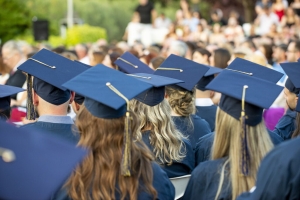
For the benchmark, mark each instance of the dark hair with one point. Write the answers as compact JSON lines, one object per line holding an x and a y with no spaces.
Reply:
{"x":5,"y":114}
{"x":203,"y":51}
{"x":191,"y":45}
{"x":268,"y":51}
{"x":297,"y":44}
{"x":221,"y":58}
{"x":250,"y":44}
{"x":283,"y":47}
{"x":156,"y":62}
{"x":296,"y":133}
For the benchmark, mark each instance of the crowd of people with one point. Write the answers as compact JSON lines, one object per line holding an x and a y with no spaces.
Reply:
{"x":216,"y":99}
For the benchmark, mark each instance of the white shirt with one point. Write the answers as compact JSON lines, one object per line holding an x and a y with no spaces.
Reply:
{"x":204,"y":102}
{"x":266,"y":21}
{"x":85,"y":60}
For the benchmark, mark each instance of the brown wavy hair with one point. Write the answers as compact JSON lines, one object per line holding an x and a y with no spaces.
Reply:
{"x":181,"y":101}
{"x":99,"y":174}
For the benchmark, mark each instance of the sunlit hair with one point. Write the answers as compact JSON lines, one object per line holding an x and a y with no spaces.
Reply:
{"x":227,"y":143}
{"x":166,"y":140}
{"x":99,"y":174}
{"x":182,"y":102}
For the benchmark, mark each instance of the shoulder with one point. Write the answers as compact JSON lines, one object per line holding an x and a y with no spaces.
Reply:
{"x":201,"y":122}
{"x":276,"y":139}
{"x":210,"y":166}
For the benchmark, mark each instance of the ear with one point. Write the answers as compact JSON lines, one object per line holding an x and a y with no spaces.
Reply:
{"x":77,"y":106}
{"x":72,"y":97}
{"x":35,"y":98}
{"x":166,"y":96}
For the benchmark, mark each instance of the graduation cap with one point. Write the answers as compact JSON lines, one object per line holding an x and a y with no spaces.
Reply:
{"x":244,"y":97}
{"x":106,"y":92}
{"x":292,"y":69}
{"x":50,"y":71}
{"x":156,"y":94}
{"x":34,"y":165}
{"x":130,"y":64}
{"x":5,"y":92}
{"x":208,"y":77}
{"x":182,"y":69}
{"x":256,"y":70}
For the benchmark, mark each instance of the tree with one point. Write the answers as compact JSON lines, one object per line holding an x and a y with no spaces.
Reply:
{"x":15,"y":19}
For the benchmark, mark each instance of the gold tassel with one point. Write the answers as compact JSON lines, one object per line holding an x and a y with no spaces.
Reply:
{"x":30,"y":114}
{"x":126,"y":157}
{"x":244,"y":160}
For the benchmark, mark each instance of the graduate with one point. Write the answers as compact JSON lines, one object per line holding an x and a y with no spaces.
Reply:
{"x":287,"y":124}
{"x":157,"y":130}
{"x":48,"y":97}
{"x":204,"y":144}
{"x":241,"y":139}
{"x":34,"y":165}
{"x":117,"y":167}
{"x":278,"y":176}
{"x":5,"y":97}
{"x":181,"y":96}
{"x":204,"y":104}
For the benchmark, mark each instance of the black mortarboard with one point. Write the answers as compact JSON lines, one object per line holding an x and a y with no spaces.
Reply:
{"x":208,"y":77}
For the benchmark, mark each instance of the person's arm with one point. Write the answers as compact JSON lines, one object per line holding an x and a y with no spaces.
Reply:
{"x":153,"y":16}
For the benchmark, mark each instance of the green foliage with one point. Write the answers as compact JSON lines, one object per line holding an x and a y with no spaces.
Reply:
{"x":84,"y":34}
{"x":14,"y":19}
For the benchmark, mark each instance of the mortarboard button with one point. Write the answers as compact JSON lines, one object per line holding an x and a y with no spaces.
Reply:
{"x":130,"y":64}
{"x":182,"y":69}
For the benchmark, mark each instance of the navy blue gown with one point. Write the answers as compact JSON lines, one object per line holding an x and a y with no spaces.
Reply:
{"x":208,"y":113}
{"x":182,"y":168}
{"x":205,"y":143}
{"x":65,"y":131}
{"x":194,"y":131}
{"x":286,"y":125}
{"x":278,"y":176}
{"x":204,"y":182}
{"x":161,"y":183}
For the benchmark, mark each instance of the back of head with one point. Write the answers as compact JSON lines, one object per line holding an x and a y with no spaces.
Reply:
{"x":178,"y":48}
{"x":166,"y":140}
{"x":98,"y":178}
{"x":12,"y":46}
{"x":227,"y":143}
{"x":221,"y":58}
{"x":181,"y":101}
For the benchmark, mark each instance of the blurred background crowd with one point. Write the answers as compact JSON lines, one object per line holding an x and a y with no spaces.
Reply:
{"x":207,"y":32}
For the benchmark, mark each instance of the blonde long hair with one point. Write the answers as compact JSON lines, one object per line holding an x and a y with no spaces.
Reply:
{"x":166,"y":140}
{"x":97,"y":176}
{"x":227,"y":143}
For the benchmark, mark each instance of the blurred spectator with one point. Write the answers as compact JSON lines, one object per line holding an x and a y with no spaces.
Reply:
{"x":133,"y":30}
{"x":220,"y":58}
{"x":148,"y":54}
{"x":290,"y":18}
{"x":178,"y":48}
{"x":13,"y":57}
{"x":265,"y":20}
{"x":260,"y":4}
{"x":200,"y":34}
{"x":190,"y":21}
{"x":237,"y":16}
{"x":191,"y":48}
{"x":216,"y":18}
{"x":278,"y":8}
{"x":96,"y":58}
{"x":146,"y":11}
{"x":267,"y":51}
{"x":293,"y":51}
{"x":109,"y":60}
{"x":233,"y":32}
{"x":279,"y":56}
{"x":70,"y":55}
{"x":296,"y":6}
{"x":162,"y":21}
{"x":156,"y":62}
{"x":217,"y":37}
{"x":82,"y":53}
{"x":201,"y":56}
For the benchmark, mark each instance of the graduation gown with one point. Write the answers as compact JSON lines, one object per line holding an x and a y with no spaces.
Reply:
{"x":161,"y":183}
{"x":181,"y":168}
{"x":65,"y":131}
{"x":208,"y":113}
{"x":286,"y":125}
{"x":279,"y":175}
{"x":204,"y":182}
{"x":194,"y":131}
{"x":205,"y":143}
